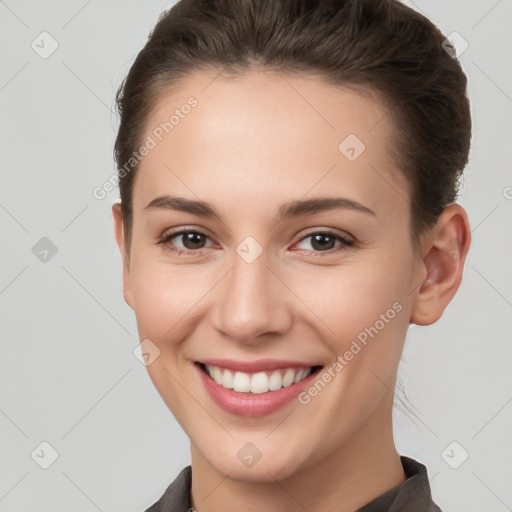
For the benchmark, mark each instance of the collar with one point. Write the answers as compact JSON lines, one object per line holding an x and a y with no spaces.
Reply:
{"x":412,"y":495}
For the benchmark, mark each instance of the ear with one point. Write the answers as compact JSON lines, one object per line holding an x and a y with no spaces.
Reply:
{"x":121,"y":243}
{"x":443,"y":253}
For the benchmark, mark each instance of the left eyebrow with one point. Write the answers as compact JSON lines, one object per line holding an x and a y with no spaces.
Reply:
{"x":321,"y":204}
{"x":286,"y":210}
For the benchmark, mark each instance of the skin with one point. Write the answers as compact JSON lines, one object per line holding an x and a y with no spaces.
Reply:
{"x":253,"y":143}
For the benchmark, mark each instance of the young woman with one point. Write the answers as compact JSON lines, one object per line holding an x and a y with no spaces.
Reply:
{"x":288,"y":171}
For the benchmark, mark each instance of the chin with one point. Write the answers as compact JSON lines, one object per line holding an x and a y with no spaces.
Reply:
{"x":268,"y":468}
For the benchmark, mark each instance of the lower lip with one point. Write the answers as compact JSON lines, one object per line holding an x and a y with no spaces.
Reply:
{"x":252,"y":404}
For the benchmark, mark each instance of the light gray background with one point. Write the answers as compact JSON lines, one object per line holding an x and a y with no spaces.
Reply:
{"x":68,"y":373}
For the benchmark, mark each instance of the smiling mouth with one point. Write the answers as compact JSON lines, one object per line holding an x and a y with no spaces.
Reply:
{"x":257,"y":382}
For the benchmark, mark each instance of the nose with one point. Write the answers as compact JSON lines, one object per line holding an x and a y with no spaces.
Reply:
{"x":252,"y":301}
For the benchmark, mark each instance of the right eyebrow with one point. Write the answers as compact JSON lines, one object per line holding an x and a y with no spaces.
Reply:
{"x":195,"y":207}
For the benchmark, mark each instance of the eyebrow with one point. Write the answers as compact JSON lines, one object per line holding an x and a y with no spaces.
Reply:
{"x":287,"y":210}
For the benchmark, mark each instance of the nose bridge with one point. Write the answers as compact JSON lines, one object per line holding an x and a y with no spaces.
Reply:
{"x":252,"y":300}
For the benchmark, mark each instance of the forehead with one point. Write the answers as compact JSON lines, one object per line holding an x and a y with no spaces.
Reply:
{"x":269,"y":136}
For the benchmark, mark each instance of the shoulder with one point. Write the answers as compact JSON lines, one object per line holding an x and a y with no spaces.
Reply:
{"x":415,"y":493}
{"x":176,"y":497}
{"x":412,"y":495}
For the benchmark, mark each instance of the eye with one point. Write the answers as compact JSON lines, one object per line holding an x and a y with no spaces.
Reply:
{"x":324,"y":241}
{"x":192,"y":242}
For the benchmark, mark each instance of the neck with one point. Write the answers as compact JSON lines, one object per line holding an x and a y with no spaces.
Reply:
{"x":364,"y":467}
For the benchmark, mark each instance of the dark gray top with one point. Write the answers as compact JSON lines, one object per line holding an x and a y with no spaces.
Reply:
{"x":413,"y":495}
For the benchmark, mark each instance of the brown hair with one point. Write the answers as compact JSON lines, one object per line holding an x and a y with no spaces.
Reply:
{"x":382,"y":45}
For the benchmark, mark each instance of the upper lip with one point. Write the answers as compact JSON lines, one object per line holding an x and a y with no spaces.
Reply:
{"x":260,"y":365}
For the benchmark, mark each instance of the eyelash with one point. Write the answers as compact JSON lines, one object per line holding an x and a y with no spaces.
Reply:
{"x":191,"y":252}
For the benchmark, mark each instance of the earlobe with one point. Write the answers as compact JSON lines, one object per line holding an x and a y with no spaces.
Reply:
{"x":445,"y":252}
{"x":121,"y":243}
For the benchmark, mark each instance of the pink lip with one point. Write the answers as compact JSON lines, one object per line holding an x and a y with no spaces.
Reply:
{"x":261,"y":365}
{"x":252,"y":404}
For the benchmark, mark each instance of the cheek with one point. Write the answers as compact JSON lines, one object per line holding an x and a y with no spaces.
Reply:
{"x":168,"y":298}
{"x":362,"y":302}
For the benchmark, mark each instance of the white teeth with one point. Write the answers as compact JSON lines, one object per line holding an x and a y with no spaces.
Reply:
{"x":241,"y":382}
{"x":227,"y":379}
{"x":299,"y":375}
{"x":274,"y":382}
{"x":260,"y":382}
{"x":217,"y":375}
{"x":288,"y":378}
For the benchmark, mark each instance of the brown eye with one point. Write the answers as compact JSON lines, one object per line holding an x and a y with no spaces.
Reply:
{"x":325,"y":241}
{"x":184,"y":241}
{"x":192,"y":240}
{"x":321,"y":242}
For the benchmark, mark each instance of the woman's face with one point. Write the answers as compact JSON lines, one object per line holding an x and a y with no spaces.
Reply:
{"x":252,"y":285}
